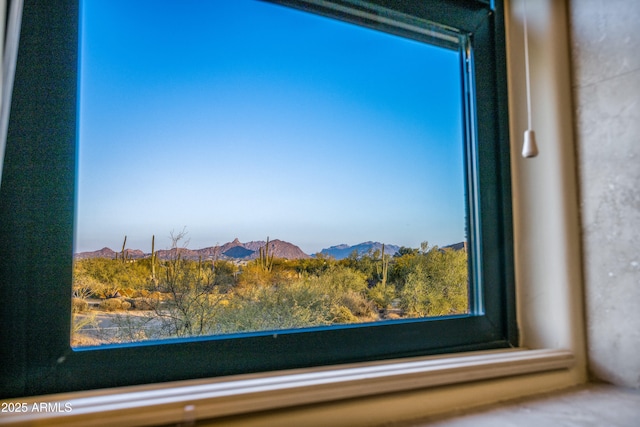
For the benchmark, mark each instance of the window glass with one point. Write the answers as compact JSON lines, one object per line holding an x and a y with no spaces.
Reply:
{"x":244,"y":166}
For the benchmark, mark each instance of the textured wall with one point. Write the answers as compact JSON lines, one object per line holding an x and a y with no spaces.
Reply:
{"x":606,"y":75}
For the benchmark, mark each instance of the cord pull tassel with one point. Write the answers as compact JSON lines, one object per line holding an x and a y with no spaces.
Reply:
{"x":530,"y":147}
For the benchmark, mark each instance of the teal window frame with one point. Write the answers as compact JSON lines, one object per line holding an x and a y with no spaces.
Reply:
{"x":37,"y":197}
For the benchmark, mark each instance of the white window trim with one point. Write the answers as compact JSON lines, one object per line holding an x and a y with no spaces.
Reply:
{"x":182,"y":402}
{"x":550,"y":302}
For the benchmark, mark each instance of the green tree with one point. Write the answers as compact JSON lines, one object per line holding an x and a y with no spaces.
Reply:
{"x":405,"y":251}
{"x":436,"y":284}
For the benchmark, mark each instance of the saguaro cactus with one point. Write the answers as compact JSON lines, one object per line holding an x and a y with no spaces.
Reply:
{"x":265,"y":260}
{"x":154,"y":280}
{"x":123,"y":245}
{"x":385,"y":267}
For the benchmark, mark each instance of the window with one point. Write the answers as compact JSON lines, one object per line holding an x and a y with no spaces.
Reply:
{"x":37,"y":207}
{"x":317,"y":133}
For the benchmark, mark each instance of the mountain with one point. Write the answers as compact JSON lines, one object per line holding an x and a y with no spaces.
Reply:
{"x":166,"y":254}
{"x":111,"y":254}
{"x":343,"y":251}
{"x":234,"y":250}
{"x":462,"y":246}
{"x":280,"y":249}
{"x":238,"y":252}
{"x":254,"y":245}
{"x":101,"y":253}
{"x":251,"y":250}
{"x":229,"y":245}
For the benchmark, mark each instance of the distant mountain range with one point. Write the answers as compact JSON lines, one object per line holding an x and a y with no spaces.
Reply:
{"x":229,"y":251}
{"x":238,"y":251}
{"x":343,"y":251}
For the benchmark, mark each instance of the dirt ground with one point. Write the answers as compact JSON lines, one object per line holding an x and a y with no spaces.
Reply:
{"x":108,"y":327}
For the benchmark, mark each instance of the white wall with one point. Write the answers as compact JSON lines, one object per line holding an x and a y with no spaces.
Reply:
{"x":606,"y":85}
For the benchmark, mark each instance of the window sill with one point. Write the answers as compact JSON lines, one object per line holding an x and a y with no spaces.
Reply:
{"x":205,"y":399}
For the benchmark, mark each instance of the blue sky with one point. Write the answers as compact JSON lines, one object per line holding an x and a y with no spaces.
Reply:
{"x":247,"y":119}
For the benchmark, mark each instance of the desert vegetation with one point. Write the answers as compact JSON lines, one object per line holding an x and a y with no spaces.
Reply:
{"x":125,"y":300}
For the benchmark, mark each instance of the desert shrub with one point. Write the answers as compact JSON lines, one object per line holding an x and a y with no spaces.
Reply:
{"x":312,"y":266}
{"x":437,"y":284}
{"x":114,"y":274}
{"x":114,"y":304}
{"x":85,"y":286}
{"x":252,"y":274}
{"x":80,"y":321}
{"x":225,"y":274}
{"x":133,"y":328}
{"x":288,"y":306}
{"x":341,"y":279}
{"x":382,"y":294}
{"x":338,"y":280}
{"x":190,"y":298}
{"x":142,"y":303}
{"x":334,"y":296}
{"x":78,"y":305}
{"x":128,"y":292}
{"x":357,"y":304}
{"x":341,"y":314}
{"x":111,"y":304}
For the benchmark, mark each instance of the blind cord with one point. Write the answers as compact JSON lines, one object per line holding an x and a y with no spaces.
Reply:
{"x":530,"y":147}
